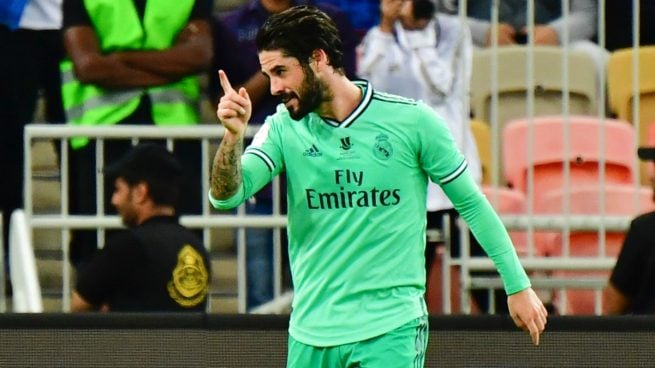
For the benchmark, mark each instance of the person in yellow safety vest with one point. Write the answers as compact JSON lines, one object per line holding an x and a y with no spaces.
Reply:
{"x":131,"y":62}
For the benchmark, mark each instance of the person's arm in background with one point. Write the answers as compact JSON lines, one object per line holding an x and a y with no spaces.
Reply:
{"x":442,"y":57}
{"x":379,"y":50}
{"x":107,"y":71}
{"x":614,"y":301}
{"x":581,"y":24}
{"x":481,"y":33}
{"x":79,"y":304}
{"x":633,"y":259}
{"x":191,"y":54}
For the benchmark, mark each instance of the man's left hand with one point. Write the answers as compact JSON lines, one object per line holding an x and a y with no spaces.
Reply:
{"x":528,"y":312}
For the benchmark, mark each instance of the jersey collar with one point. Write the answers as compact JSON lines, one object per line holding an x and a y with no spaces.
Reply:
{"x":367,"y":93}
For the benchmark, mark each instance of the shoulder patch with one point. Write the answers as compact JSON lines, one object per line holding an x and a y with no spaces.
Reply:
{"x":190,"y":280}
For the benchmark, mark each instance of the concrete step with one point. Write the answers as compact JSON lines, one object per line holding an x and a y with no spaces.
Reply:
{"x":52,"y":304}
{"x":44,"y":156}
{"x":47,"y":240}
{"x":224,"y":304}
{"x":224,"y":275}
{"x":50,"y":275}
{"x":222,"y":240}
{"x":46,"y":196}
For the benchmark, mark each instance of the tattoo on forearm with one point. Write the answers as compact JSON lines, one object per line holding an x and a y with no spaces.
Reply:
{"x":226,"y":170}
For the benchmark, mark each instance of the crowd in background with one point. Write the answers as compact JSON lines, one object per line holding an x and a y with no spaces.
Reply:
{"x":74,"y":57}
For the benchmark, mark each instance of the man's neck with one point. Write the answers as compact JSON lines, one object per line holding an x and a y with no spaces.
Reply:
{"x":155,"y":211}
{"x":345,"y":98}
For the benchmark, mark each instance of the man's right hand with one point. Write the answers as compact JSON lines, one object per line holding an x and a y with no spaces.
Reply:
{"x":234,"y":108}
{"x":506,"y":35}
{"x":389,"y":13}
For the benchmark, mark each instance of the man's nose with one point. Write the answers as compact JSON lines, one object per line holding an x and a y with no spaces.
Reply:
{"x":276,"y":87}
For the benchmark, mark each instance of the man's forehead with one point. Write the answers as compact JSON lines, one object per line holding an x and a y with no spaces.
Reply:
{"x":275,"y":58}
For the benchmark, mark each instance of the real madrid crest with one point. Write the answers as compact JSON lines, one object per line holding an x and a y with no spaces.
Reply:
{"x":190,"y":279}
{"x":382,"y":149}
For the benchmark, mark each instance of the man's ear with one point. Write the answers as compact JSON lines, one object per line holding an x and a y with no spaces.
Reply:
{"x":141,"y":192}
{"x":319,"y":58}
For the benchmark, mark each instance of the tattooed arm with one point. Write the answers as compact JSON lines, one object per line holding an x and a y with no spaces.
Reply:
{"x":226,"y":170}
{"x":234,"y":110}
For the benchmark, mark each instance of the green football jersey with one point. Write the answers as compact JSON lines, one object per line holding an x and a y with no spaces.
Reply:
{"x":356,"y":194}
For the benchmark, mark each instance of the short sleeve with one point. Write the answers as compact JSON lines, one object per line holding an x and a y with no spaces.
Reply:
{"x":439,"y":155}
{"x":114,"y":263}
{"x":625,"y":272}
{"x":75,"y":14}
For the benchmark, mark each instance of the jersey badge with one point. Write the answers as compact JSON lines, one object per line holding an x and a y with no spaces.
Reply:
{"x":345,"y":144}
{"x":346,"y":149}
{"x":190,"y":280}
{"x":382,"y":149}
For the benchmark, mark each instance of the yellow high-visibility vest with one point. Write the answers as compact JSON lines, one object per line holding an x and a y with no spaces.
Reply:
{"x":119,"y":28}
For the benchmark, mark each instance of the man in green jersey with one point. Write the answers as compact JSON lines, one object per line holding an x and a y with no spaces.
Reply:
{"x":357,"y":163}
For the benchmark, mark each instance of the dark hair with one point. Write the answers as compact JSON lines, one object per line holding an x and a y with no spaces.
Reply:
{"x":300,"y":30}
{"x":424,"y":9}
{"x":153,"y":164}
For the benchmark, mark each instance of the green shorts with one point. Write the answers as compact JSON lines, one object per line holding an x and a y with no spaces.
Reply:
{"x":403,"y":347}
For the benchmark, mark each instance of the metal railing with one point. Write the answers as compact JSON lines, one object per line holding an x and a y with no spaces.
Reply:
{"x":64,"y":221}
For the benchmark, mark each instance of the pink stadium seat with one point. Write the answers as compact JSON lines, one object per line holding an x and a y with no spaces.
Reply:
{"x":650,"y":139}
{"x":585,"y":200}
{"x":584,"y":154}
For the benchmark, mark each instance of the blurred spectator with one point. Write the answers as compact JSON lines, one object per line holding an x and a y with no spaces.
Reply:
{"x":132,"y":62}
{"x":631,"y":287}
{"x":30,"y":38}
{"x":156,"y":265}
{"x":619,"y":19}
{"x":417,"y":53}
{"x":363,"y":14}
{"x":548,"y":21}
{"x":236,"y":54}
{"x":549,"y":25}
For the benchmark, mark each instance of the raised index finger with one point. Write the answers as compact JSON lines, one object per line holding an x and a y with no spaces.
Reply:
{"x":225,"y":83}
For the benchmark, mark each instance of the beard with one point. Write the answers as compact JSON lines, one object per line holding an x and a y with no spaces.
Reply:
{"x":311,"y":94}
{"x":128,"y":213}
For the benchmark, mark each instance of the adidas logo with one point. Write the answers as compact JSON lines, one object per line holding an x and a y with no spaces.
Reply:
{"x":312,"y":152}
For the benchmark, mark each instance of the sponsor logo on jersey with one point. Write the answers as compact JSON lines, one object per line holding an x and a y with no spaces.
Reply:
{"x":312,"y":152}
{"x":190,"y":280}
{"x":352,"y":192}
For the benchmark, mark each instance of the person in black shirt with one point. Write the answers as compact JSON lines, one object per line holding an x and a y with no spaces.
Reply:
{"x":156,"y":264}
{"x":631,"y":287}
{"x":133,"y":63}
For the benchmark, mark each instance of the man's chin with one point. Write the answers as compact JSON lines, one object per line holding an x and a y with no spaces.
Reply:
{"x":294,"y":113}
